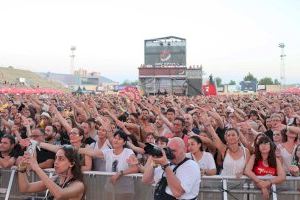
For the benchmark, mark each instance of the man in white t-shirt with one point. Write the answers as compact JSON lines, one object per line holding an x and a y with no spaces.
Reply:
{"x":184,"y":183}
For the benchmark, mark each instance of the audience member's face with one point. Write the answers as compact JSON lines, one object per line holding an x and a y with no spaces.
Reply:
{"x":277,"y":137}
{"x":61,"y":163}
{"x":5,"y":145}
{"x":275,"y":121}
{"x":118,"y":142}
{"x":150,"y":139}
{"x":102,"y":132}
{"x":178,"y":126}
{"x":188,"y":119}
{"x":195,"y":117}
{"x":170,"y":116}
{"x":13,"y":110}
{"x":49,"y":132}
{"x":37,"y":135}
{"x":193,"y":146}
{"x":85,"y":127}
{"x":269,"y":123}
{"x":161,"y":144}
{"x":75,"y":136}
{"x":145,"y":115}
{"x":265,"y":148}
{"x":57,"y":125}
{"x":287,"y":111}
{"x":4,"y":113}
{"x":231,"y":137}
{"x":159,"y":122}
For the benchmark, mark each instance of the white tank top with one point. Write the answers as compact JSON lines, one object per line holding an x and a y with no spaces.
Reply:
{"x":286,"y":157}
{"x":232,"y":167}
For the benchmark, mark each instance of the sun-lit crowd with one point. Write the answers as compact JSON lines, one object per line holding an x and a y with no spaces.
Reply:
{"x":235,"y":135}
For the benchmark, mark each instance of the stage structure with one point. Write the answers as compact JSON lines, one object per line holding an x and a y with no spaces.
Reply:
{"x":165,"y":71}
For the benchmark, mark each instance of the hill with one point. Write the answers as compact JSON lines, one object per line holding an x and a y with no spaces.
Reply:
{"x":12,"y":75}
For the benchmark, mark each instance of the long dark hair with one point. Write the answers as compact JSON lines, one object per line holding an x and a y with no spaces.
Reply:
{"x":73,"y":157}
{"x":257,"y":137}
{"x":198,"y":140}
{"x":271,"y":157}
{"x":295,"y":157}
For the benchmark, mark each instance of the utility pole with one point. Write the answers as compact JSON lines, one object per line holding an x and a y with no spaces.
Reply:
{"x":72,"y":56}
{"x":282,"y":65}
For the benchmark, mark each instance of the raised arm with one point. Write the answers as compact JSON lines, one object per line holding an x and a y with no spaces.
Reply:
{"x":91,"y":152}
{"x":49,"y":147}
{"x":216,"y":141}
{"x":60,"y":118}
{"x":218,"y":119}
{"x":73,"y":190}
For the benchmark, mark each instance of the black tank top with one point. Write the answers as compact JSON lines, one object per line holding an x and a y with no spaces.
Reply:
{"x":49,"y":196}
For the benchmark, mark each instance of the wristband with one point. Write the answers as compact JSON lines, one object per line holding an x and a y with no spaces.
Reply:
{"x":165,"y":166}
{"x":121,"y":173}
{"x":21,"y":170}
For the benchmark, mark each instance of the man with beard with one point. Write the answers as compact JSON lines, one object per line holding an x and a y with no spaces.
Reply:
{"x":50,"y":135}
{"x":189,"y":128}
{"x":7,"y":155}
{"x":44,"y":157}
{"x":88,"y":139}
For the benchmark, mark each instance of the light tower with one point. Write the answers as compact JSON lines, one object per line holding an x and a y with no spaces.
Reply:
{"x":72,"y":56}
{"x":282,"y":64}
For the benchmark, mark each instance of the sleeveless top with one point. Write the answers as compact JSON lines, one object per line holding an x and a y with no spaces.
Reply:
{"x":286,"y":157}
{"x":49,"y":196}
{"x":261,"y":170}
{"x":231,"y":167}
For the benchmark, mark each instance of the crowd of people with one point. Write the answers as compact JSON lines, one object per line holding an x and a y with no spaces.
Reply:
{"x":235,"y":135}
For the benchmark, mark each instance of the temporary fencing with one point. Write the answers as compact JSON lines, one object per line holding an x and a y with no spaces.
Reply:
{"x":131,"y":187}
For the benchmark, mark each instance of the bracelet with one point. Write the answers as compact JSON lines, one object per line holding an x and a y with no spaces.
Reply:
{"x":165,"y":166}
{"x":21,"y":170}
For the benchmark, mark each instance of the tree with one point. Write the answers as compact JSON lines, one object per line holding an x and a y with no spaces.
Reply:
{"x":130,"y":83}
{"x":250,"y":77}
{"x":276,"y":82}
{"x":218,"y":81}
{"x":266,"y":81}
{"x":232,"y":82}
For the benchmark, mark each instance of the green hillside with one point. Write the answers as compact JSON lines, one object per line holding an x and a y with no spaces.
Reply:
{"x":11,"y":74}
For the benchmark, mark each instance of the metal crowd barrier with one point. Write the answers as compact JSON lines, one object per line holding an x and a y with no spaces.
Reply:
{"x":131,"y":188}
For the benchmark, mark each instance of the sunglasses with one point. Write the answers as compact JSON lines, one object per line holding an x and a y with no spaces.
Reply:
{"x":115,"y":166}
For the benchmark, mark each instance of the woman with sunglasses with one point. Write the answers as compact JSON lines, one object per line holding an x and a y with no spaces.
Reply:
{"x":68,"y":184}
{"x":76,"y":136}
{"x":263,"y":163}
{"x":117,"y":160}
{"x":295,"y":165}
{"x":287,"y":148}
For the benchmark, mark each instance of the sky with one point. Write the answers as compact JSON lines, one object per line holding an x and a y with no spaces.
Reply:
{"x":229,"y":38}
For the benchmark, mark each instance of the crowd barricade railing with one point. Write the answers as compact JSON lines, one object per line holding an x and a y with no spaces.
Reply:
{"x":98,"y":186}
